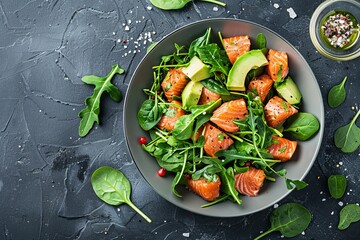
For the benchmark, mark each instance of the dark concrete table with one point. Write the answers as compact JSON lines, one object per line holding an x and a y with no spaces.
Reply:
{"x":45,"y":168}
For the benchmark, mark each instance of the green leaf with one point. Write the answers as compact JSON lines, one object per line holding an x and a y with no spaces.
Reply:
{"x":90,"y":114}
{"x":217,"y":58}
{"x":228,"y":184}
{"x":260,"y":41}
{"x":151,"y":46}
{"x":298,"y":184}
{"x":178,"y":4}
{"x":149,"y":114}
{"x":347,"y":137}
{"x":302,"y":126}
{"x":215,"y":86}
{"x":112,"y":187}
{"x":337,"y":186}
{"x":349,"y":214}
{"x":337,"y":94}
{"x":290,"y":219}
{"x":201,"y":41}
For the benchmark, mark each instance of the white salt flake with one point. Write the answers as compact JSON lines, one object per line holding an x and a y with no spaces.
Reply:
{"x":127,"y":28}
{"x":129,"y":21}
{"x":186,"y":235}
{"x":114,"y":33}
{"x":276,"y":5}
{"x":340,"y":163}
{"x":276,"y":205}
{"x":303,"y":233}
{"x":149,"y":8}
{"x":330,"y":226}
{"x":215,"y":9}
{"x":321,"y":192}
{"x":119,"y":40}
{"x":341,"y":204}
{"x":324,"y":199}
{"x":291,"y":12}
{"x":332,"y":213}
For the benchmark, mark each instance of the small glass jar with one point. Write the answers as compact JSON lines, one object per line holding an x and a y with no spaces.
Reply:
{"x":321,"y":43}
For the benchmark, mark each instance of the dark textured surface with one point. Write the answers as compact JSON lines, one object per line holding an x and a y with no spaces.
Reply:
{"x":45,"y":191}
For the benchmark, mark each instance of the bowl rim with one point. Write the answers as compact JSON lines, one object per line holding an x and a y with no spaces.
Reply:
{"x":313,"y":32}
{"x":321,"y":114}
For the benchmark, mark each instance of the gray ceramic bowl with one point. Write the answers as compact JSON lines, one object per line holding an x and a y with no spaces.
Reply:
{"x":271,"y":193}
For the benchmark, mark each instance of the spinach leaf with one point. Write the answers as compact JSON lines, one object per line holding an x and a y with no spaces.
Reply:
{"x":201,"y":41}
{"x":215,"y":86}
{"x":111,"y":186}
{"x":149,"y":114}
{"x":290,"y":219}
{"x":183,"y":128}
{"x":214,"y":56}
{"x":90,"y":114}
{"x":260,"y":41}
{"x":337,"y":185}
{"x":298,"y":184}
{"x":349,"y":214}
{"x":347,"y":137}
{"x":337,"y":94}
{"x":302,"y":125}
{"x":178,"y":4}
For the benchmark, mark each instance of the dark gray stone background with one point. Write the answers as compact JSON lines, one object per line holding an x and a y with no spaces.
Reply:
{"x":45,"y":168}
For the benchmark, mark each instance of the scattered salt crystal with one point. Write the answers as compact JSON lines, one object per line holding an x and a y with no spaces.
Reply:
{"x":125,"y":54}
{"x":70,"y":138}
{"x":149,"y":8}
{"x":303,"y":233}
{"x":125,"y":46}
{"x":321,"y":192}
{"x":350,"y":190}
{"x":40,"y":110}
{"x":352,"y":108}
{"x":324,"y":199}
{"x":114,"y":33}
{"x":186,"y":234}
{"x":123,"y":24}
{"x":291,"y":12}
{"x":276,"y":205}
{"x":332,"y":213}
{"x":340,"y":163}
{"x":19,"y":146}
{"x":127,"y":28}
{"x":282,"y":236}
{"x":118,"y":40}
{"x":276,"y":5}
{"x":164,"y":221}
{"x":337,"y":165}
{"x":341,"y":204}
{"x":129,"y":21}
{"x":330,"y":226}
{"x":215,"y":9}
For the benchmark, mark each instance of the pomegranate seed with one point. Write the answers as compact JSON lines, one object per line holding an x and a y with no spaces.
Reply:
{"x":142,"y":140}
{"x":161,"y":172}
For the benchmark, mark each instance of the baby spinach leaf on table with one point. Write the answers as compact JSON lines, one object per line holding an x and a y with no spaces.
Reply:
{"x":215,"y":86}
{"x":290,"y":219}
{"x":90,"y":114}
{"x":178,"y":4}
{"x":111,"y":186}
{"x":298,"y":184}
{"x":349,"y":214}
{"x":302,"y":125}
{"x":149,"y":114}
{"x":337,"y":94}
{"x":214,"y":56}
{"x":337,"y":185}
{"x":347,"y":137}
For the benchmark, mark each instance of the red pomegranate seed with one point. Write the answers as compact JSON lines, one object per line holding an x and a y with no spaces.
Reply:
{"x":161,"y":172}
{"x":142,"y":140}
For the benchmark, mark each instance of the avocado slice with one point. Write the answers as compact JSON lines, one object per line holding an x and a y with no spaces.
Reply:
{"x":191,"y":94}
{"x":197,"y":70}
{"x":289,"y":91}
{"x":237,"y":75}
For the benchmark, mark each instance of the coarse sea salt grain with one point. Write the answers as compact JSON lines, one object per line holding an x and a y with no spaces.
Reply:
{"x":341,"y":204}
{"x":127,"y":28}
{"x":291,"y":12}
{"x":149,"y":8}
{"x":215,"y":9}
{"x":332,"y":213}
{"x":186,"y":235}
{"x":276,"y":5}
{"x":324,"y":199}
{"x":276,"y":205}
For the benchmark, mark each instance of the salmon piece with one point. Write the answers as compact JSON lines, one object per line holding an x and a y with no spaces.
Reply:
{"x":215,"y":140}
{"x":223,"y":116}
{"x":208,"y":96}
{"x":277,"y":111}
{"x":174,"y":83}
{"x":236,"y":46}
{"x":277,"y":59}
{"x":172,"y":114}
{"x":282,"y":148}
{"x":262,"y":84}
{"x":207,"y":190}
{"x":250,"y":182}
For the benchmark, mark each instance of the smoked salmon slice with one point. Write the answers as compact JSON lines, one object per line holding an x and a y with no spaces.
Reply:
{"x":277,"y":110}
{"x":236,"y":46}
{"x":282,"y":149}
{"x":174,"y":83}
{"x":262,"y":84}
{"x":250,"y":182}
{"x":215,"y":140}
{"x":172,"y":114}
{"x":276,"y":60}
{"x":208,"y":96}
{"x":233,"y":110}
{"x":207,"y":190}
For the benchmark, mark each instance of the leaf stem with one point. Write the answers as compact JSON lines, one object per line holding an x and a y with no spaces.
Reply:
{"x":138,"y":211}
{"x":265,"y":233}
{"x":220,"y":199}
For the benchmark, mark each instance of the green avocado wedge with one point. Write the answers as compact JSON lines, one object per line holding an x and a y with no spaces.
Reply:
{"x":237,"y":75}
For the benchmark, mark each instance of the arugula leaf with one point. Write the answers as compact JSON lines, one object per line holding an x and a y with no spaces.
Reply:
{"x":90,"y":114}
{"x":217,"y":58}
{"x":201,"y":41}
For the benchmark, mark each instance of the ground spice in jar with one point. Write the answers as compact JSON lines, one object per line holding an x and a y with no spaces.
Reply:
{"x":338,"y":29}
